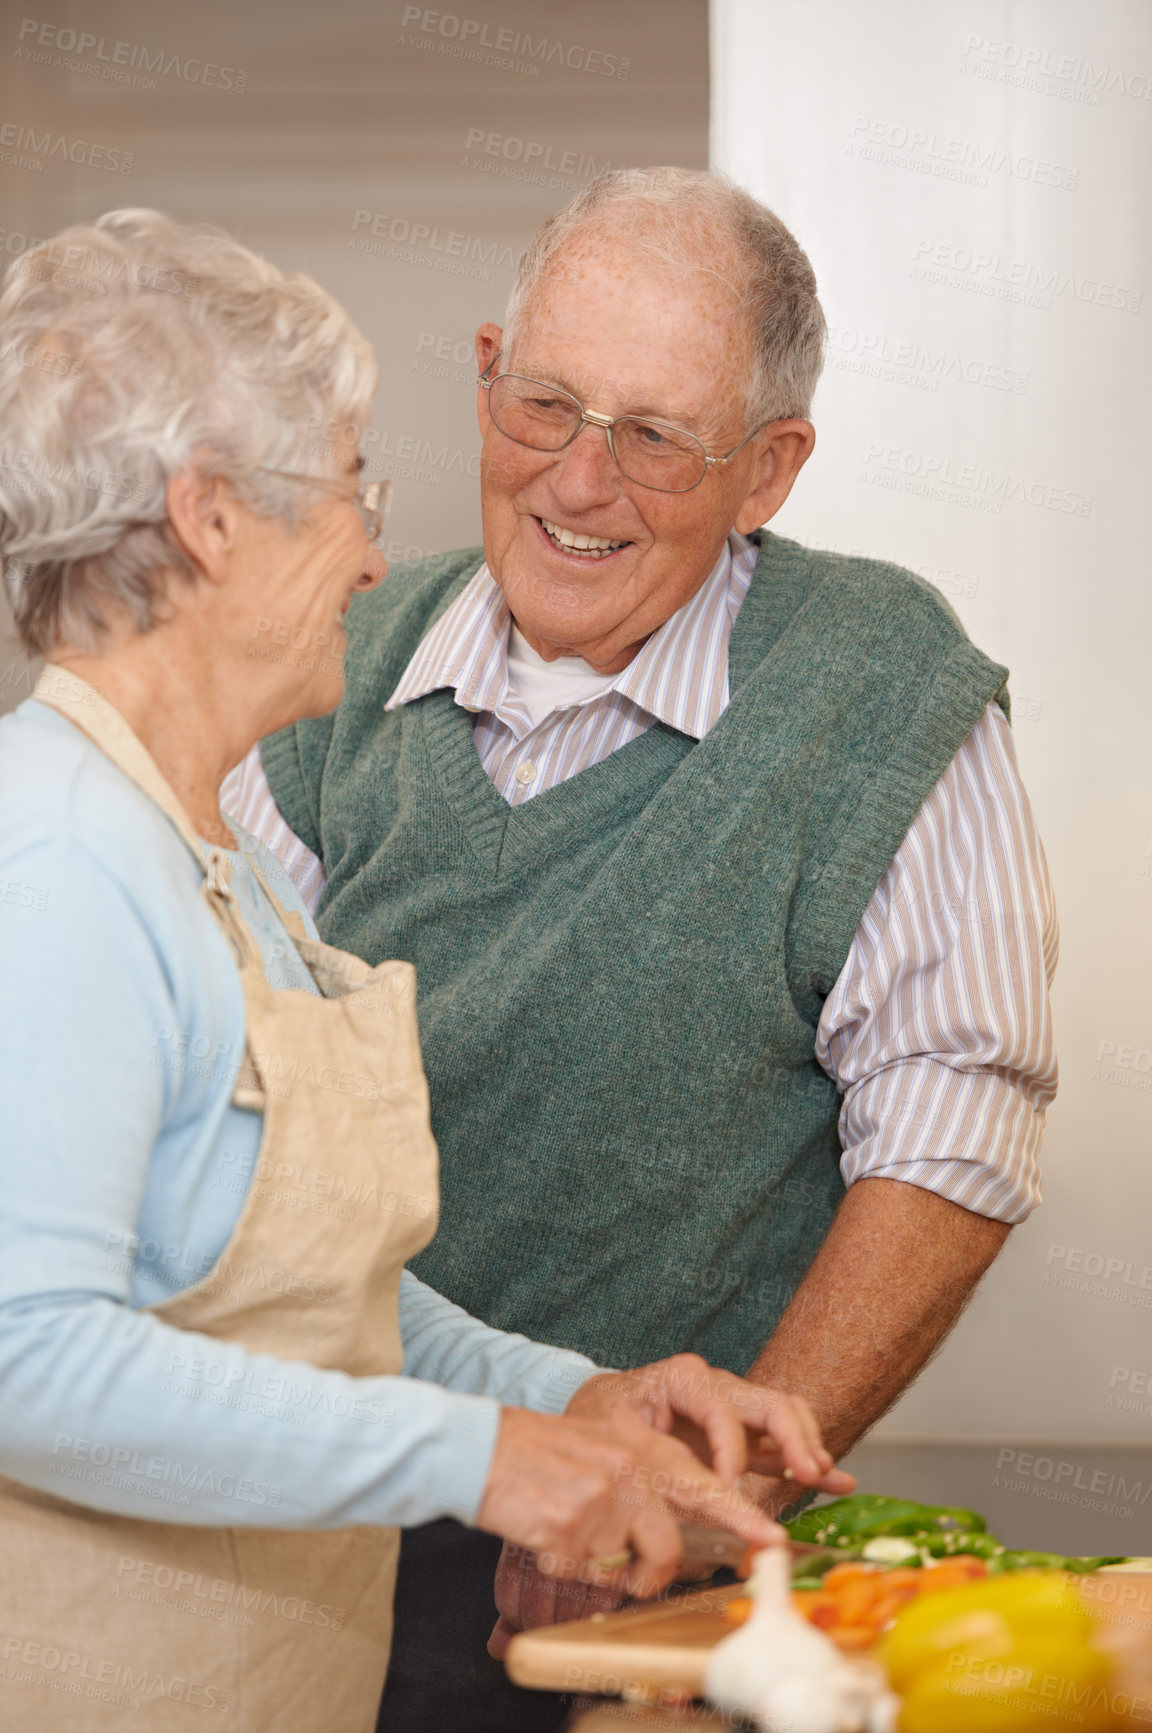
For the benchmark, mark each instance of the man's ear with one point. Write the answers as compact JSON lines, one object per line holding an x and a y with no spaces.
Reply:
{"x":204,"y":521}
{"x":488,"y":341}
{"x":781,"y":451}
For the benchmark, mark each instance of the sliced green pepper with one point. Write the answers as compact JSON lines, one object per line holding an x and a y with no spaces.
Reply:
{"x":936,"y":1530}
{"x":1012,"y":1560}
{"x":870,"y":1513}
{"x":938,"y":1518}
{"x":979,"y":1544}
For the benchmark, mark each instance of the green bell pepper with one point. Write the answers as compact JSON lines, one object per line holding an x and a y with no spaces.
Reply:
{"x":1018,"y":1560}
{"x":978,"y":1544}
{"x":936,"y":1530}
{"x":863,"y":1515}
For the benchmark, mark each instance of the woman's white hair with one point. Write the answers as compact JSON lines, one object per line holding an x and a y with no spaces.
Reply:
{"x":688,"y":222}
{"x":130,"y":349}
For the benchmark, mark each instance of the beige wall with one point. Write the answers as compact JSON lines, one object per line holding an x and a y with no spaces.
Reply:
{"x":342,"y":118}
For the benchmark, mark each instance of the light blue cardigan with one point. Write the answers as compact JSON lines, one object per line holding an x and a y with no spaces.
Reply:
{"x":123,"y":1168}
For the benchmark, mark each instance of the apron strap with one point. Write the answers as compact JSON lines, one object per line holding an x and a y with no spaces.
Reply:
{"x":92,"y":714}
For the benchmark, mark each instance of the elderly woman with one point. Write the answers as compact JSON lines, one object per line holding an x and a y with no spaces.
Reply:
{"x":220,"y":1393}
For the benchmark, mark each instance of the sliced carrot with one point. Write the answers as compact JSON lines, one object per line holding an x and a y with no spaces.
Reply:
{"x":855,"y":1636}
{"x":903,"y":1577}
{"x":824,"y":1618}
{"x":805,"y":1599}
{"x":857,"y":1600}
{"x":886,"y":1608}
{"x":738,"y":1609}
{"x":952,"y":1574}
{"x":850,"y":1573}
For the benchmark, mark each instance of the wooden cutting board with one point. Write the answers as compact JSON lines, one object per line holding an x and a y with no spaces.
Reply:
{"x":658,"y":1646}
{"x":663,"y":1646}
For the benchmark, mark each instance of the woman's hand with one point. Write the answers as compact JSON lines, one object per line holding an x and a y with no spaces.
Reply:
{"x":573,"y":1492}
{"x":736,"y":1425}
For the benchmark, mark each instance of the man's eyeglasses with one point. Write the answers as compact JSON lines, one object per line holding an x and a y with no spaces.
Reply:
{"x":652,"y":453}
{"x":373,"y":501}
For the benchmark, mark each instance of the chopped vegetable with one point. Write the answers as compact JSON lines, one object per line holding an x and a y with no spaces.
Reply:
{"x":976,"y":1543}
{"x":989,"y":1657}
{"x":898,"y":1531}
{"x":855,"y":1603}
{"x":845,"y":1521}
{"x":784,"y":1672}
{"x":1011,"y":1560}
{"x":890,"y":1549}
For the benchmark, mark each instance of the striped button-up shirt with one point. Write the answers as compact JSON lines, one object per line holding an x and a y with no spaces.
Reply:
{"x":938,"y":1029}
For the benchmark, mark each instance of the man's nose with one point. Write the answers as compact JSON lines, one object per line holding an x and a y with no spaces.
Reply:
{"x":375,"y":570}
{"x":585,"y":473}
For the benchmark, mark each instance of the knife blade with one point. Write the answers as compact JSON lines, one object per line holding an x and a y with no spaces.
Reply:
{"x":718,"y":1547}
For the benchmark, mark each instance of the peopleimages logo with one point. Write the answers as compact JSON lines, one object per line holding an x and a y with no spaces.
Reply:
{"x":912,"y":363}
{"x":937,"y":476}
{"x":1029,"y":282}
{"x":1031,"y":62}
{"x":509,"y":50}
{"x":926,"y":151}
{"x":1098,"y":1482}
{"x":104,"y":1678}
{"x":23,"y":146}
{"x":46,"y":44}
{"x":415,"y":243}
{"x":533,"y":153}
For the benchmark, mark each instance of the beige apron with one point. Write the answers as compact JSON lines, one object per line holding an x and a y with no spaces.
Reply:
{"x":114,"y":1623}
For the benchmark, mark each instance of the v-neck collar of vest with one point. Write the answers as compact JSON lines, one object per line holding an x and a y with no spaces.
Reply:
{"x":507,"y":839}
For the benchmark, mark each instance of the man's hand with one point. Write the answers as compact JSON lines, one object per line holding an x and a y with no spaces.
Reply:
{"x":731,"y":1423}
{"x":736,"y":1425}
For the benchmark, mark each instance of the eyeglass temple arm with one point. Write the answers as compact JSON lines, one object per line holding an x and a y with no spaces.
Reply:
{"x":483,"y":378}
{"x":719,"y":462}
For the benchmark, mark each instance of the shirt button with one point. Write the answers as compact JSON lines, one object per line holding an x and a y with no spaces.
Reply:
{"x":526,"y":772}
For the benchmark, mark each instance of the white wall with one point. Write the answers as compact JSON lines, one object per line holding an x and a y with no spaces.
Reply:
{"x":972,"y":184}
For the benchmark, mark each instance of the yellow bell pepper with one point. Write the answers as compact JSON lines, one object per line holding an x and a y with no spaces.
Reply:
{"x":999,"y":1656}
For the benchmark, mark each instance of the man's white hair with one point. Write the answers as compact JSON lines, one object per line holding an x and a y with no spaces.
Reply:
{"x":689,"y":222}
{"x":131,"y":348}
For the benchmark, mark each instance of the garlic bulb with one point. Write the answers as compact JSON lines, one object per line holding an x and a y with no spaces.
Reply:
{"x":787,"y":1674}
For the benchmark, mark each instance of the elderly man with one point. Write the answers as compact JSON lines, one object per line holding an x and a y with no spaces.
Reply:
{"x":731,"y":925}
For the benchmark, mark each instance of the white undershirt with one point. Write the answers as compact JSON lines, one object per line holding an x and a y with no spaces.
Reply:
{"x":546,"y":686}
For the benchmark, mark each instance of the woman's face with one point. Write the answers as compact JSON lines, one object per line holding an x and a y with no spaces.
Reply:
{"x":292,"y":590}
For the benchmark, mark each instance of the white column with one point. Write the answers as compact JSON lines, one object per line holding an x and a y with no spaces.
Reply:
{"x":972,"y":185}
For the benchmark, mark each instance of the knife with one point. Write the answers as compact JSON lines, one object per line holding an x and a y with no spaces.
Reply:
{"x":717,"y":1547}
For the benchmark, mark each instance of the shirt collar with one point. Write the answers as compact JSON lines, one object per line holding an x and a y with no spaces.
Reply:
{"x":679,"y":677}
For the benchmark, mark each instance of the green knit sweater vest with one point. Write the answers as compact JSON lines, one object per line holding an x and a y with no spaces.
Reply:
{"x":620,"y":980}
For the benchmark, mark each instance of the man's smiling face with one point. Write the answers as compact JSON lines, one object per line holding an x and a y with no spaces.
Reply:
{"x":608,"y":327}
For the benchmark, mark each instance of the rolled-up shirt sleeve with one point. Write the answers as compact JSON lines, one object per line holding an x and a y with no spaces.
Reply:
{"x":938,"y":1029}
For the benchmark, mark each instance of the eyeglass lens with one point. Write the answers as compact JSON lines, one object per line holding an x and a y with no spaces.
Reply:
{"x":545,"y":419}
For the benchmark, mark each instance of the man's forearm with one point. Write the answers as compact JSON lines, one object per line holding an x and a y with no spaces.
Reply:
{"x":886,"y":1286}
